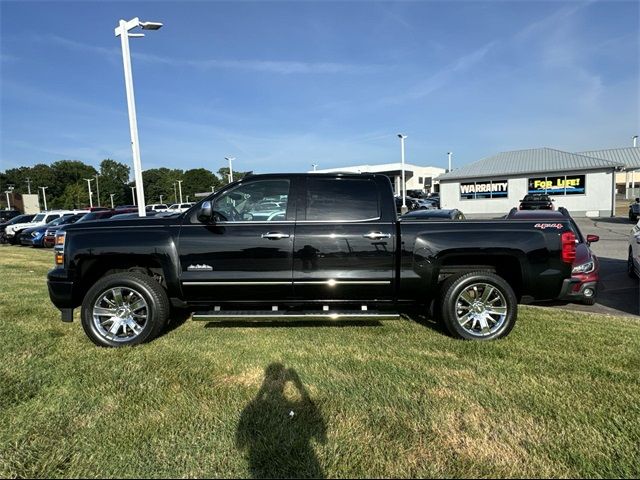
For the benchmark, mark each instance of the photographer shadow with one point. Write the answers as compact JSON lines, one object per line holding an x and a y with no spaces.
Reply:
{"x":276,"y":428}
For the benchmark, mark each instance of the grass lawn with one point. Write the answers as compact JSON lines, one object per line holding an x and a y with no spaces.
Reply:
{"x":559,"y":397}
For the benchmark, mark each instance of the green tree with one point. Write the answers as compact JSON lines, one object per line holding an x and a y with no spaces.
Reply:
{"x":198,"y":180}
{"x":114,"y":177}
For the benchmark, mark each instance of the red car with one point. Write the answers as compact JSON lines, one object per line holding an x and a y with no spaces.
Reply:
{"x":585,"y":265}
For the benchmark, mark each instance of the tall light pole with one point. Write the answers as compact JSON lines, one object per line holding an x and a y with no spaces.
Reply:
{"x":315,"y":166}
{"x":161,"y":198}
{"x":44,"y":197}
{"x":97,"y":190}
{"x":175,"y":193}
{"x":112,"y":195}
{"x":122,"y":31}
{"x":180,"y":188}
{"x":28,"y":182}
{"x":133,"y":195}
{"x":187,"y":198}
{"x":230,"y":159}
{"x":404,"y":208}
{"x":449,"y":155}
{"x":89,"y":180}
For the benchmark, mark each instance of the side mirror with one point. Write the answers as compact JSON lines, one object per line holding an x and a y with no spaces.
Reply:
{"x":592,"y":238}
{"x":638,"y":200}
{"x":205,"y":213}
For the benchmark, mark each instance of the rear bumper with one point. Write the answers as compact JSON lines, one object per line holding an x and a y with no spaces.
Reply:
{"x":574,"y":289}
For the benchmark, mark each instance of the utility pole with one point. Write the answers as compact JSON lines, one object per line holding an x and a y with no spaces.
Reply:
{"x":404,"y":208}
{"x":28,"y":182}
{"x":122,"y":31}
{"x":180,"y":188}
{"x":230,"y":159}
{"x":449,"y":154}
{"x":97,"y":190}
{"x":44,"y":197}
{"x":89,"y":180}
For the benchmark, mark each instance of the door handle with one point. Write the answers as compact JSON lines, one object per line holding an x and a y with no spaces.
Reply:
{"x":275,"y":235}
{"x":376,"y":235}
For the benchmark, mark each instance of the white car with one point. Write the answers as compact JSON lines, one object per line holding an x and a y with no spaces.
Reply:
{"x":41,"y":218}
{"x":157,"y":207}
{"x":633,"y":262}
{"x":180,"y":207}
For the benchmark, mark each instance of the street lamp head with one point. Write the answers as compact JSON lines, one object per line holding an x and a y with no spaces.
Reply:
{"x":402,"y":136}
{"x":150,"y":25}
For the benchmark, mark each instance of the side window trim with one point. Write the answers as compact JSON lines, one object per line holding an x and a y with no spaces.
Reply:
{"x":303,"y":204}
{"x":289,"y":208}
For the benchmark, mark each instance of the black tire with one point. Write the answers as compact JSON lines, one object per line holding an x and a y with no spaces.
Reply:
{"x":453,"y":287}
{"x":589,"y":301}
{"x":631,"y":271}
{"x":157,"y":307}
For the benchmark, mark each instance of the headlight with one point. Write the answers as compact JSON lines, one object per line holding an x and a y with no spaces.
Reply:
{"x":584,"y":268}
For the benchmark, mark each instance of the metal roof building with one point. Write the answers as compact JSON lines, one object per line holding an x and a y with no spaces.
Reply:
{"x":536,"y":160}
{"x":628,"y":156}
{"x":584,"y":183}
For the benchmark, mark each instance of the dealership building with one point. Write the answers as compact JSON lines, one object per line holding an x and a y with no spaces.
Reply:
{"x":581,"y":182}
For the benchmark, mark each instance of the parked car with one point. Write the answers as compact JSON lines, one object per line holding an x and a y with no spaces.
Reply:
{"x":339,"y":245}
{"x":35,"y":236}
{"x":6,"y":215}
{"x":433,"y":214}
{"x":50,"y":233}
{"x":536,"y":202}
{"x":44,"y":236}
{"x":411,"y":203}
{"x":634,"y":210}
{"x":585,"y":265}
{"x":157,"y":207}
{"x":633,"y":260}
{"x":13,"y":221}
{"x":180,"y":207}
{"x":12,"y":232}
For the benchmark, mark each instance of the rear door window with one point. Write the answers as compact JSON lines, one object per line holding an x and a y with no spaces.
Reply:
{"x":342,"y":199}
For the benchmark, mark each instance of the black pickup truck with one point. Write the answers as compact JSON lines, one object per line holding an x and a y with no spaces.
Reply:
{"x":304,"y":245}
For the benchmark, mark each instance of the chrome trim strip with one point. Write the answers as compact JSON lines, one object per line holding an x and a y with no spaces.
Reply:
{"x":239,"y":282}
{"x":342,"y":282}
{"x":221,"y":314}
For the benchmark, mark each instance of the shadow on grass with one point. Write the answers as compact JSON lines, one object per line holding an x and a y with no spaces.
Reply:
{"x":276,"y":428}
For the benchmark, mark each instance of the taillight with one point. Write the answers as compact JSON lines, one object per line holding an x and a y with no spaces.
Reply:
{"x":568,"y":247}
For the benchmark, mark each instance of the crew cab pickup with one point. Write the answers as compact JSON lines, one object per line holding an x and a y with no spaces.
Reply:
{"x":305,"y":245}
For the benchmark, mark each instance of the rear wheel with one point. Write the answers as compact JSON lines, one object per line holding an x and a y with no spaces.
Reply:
{"x":124,"y":309}
{"x":631,"y":271}
{"x":478,"y":306}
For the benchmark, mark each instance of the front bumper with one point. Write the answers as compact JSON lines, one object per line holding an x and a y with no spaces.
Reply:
{"x":61,"y":290}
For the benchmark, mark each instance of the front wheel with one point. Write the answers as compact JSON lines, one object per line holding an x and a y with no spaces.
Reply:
{"x":478,"y":306}
{"x":631,"y":270}
{"x":124,"y":309}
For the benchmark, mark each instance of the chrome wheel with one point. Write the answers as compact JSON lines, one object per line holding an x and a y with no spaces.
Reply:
{"x":481,"y":309}
{"x":120,"y":314}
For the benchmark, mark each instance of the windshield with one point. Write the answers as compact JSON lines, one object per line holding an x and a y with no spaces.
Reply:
{"x":57,"y":221}
{"x":39,"y":217}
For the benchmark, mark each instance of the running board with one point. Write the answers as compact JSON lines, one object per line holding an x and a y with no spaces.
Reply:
{"x":295,"y":315}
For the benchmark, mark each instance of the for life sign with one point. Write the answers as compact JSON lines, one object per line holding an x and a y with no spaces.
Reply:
{"x":558,"y":185}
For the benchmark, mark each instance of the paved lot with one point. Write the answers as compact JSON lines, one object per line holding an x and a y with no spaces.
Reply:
{"x":618,"y":294}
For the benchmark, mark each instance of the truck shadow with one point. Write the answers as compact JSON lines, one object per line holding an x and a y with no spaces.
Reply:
{"x":276,"y":429}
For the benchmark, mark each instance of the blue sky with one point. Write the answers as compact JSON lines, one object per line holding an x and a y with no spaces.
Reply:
{"x":283,"y":85}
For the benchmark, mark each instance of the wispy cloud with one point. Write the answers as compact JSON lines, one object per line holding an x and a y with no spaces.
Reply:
{"x":283,"y":67}
{"x":438,"y":79}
